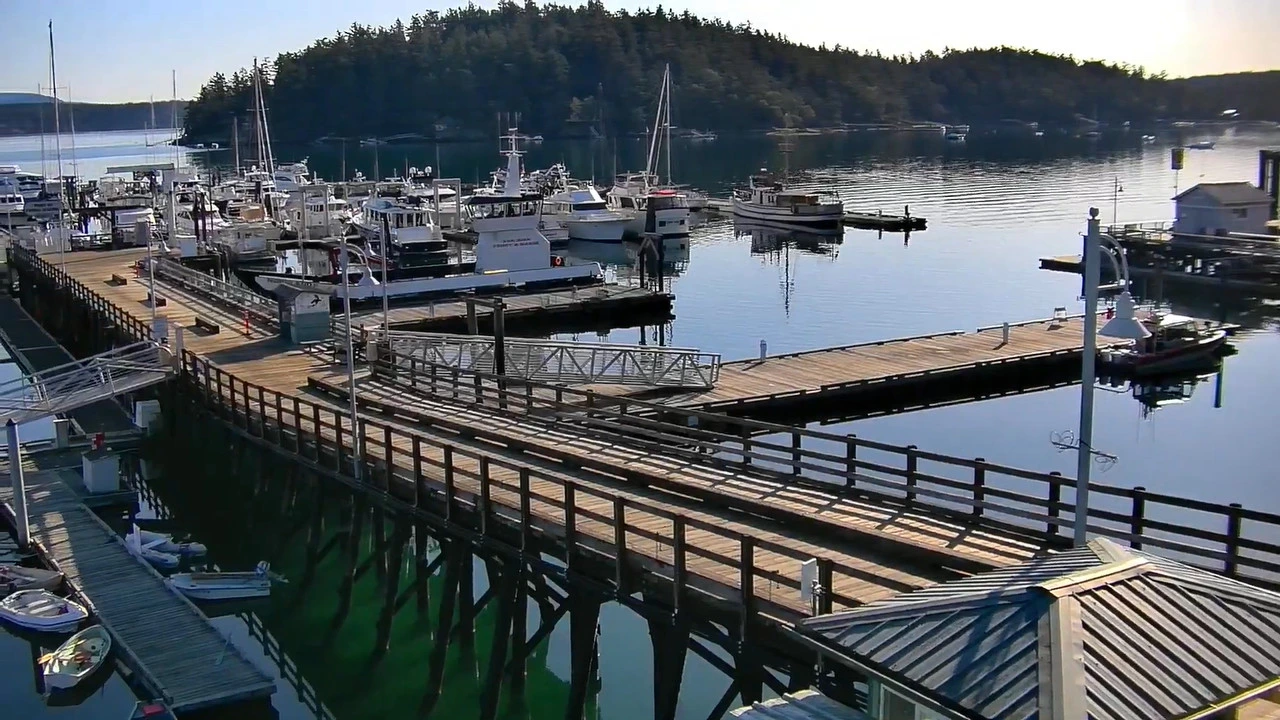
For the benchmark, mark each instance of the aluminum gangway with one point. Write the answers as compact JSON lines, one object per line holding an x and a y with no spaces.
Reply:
{"x":71,"y":386}
{"x":559,"y":361}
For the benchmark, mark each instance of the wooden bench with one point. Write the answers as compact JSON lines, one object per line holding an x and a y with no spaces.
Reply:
{"x":156,"y":301}
{"x":207,"y":326}
{"x":117,"y":279}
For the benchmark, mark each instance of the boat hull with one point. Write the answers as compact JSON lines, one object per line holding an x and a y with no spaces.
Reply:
{"x":36,"y":610}
{"x":1192,"y":354}
{"x":596,"y":230}
{"x":821,"y":217}
{"x":196,"y":591}
{"x":14,"y":578}
{"x":669,"y":223}
{"x":64,"y":669}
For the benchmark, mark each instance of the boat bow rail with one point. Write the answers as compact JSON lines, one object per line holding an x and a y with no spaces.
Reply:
{"x":67,"y":387}
{"x":559,"y":361}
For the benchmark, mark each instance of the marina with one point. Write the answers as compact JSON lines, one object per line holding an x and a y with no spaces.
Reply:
{"x":442,"y":487}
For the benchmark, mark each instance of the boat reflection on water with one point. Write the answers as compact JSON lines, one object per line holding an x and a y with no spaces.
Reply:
{"x":624,"y":257}
{"x":1160,"y":391}
{"x":770,"y":237}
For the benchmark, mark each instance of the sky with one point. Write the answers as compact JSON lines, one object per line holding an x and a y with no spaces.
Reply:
{"x":117,"y":52}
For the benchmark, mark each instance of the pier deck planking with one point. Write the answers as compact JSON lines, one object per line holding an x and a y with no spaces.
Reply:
{"x":161,"y":634}
{"x":843,"y":371}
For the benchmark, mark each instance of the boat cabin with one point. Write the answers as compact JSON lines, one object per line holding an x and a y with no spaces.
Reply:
{"x":1101,"y":631}
{"x":396,"y":215}
{"x":579,"y":200}
{"x":497,"y":207}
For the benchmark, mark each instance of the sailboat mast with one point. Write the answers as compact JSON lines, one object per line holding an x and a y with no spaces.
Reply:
{"x":71,"y":112}
{"x":57,"y":128}
{"x":44,"y":163}
{"x":667,"y":139}
{"x":650,"y":167}
{"x":235,"y":140}
{"x":174,"y":77}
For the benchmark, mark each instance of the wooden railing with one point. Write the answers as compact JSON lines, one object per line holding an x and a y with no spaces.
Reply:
{"x":1226,"y":538}
{"x":589,"y":520}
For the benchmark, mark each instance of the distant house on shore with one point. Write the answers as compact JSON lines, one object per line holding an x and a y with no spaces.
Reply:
{"x":1222,"y":209}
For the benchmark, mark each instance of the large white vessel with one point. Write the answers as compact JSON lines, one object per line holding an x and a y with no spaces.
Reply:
{"x":586,"y":216}
{"x":767,"y":198}
{"x":28,"y":184}
{"x":11,"y":200}
{"x":413,"y":235}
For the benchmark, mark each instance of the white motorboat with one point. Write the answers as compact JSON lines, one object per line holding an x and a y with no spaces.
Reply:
{"x":650,"y":209}
{"x":291,"y":178}
{"x":1202,"y":145}
{"x":956,"y":137}
{"x":15,"y":577}
{"x":149,"y":553}
{"x":408,"y":219}
{"x":11,"y":200}
{"x":77,"y":658}
{"x":42,"y":610}
{"x":223,"y":585}
{"x":586,"y":215}
{"x":164,"y":542}
{"x":29,"y":185}
{"x":767,"y":198}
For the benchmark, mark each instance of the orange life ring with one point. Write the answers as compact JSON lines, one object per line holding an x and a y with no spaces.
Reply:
{"x":557,"y":261}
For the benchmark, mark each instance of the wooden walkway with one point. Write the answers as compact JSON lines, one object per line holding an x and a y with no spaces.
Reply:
{"x":160,"y":634}
{"x":837,"y":373}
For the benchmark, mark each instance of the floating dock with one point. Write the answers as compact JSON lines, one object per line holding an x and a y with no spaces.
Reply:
{"x":940,"y":364}
{"x":159,"y":634}
{"x":865,"y":220}
{"x":1204,"y":274}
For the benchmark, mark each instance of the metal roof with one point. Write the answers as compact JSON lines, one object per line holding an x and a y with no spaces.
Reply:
{"x":803,"y":705}
{"x":1101,"y":632}
{"x":1229,"y":193}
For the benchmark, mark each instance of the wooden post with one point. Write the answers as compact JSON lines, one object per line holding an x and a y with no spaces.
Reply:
{"x":419,"y":482}
{"x":620,"y":545}
{"x":1137,"y":516}
{"x":473,"y":326}
{"x":570,"y":525}
{"x":746,"y":444}
{"x":526,"y":514}
{"x":911,"y":473}
{"x":795,"y":452}
{"x":851,"y":461}
{"x":679,"y":574}
{"x":826,"y":575}
{"x":1055,"y":500}
{"x":1234,"y":520}
{"x":747,"y":579}
{"x":486,"y":492}
{"x":979,"y":486}
{"x":315,"y":428}
{"x":449,"y":489}
{"x":388,"y":455}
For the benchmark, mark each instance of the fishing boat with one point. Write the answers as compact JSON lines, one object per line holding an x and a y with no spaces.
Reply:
{"x":1202,"y":145}
{"x":152,"y":710}
{"x":223,"y":585}
{"x":956,"y":137}
{"x":77,"y":658}
{"x":15,"y":577}
{"x":767,"y":198}
{"x":42,"y":610}
{"x":1174,"y":342}
{"x":163,"y":542}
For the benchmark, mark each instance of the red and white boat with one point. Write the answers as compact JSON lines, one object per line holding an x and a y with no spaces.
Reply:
{"x":1176,"y":342}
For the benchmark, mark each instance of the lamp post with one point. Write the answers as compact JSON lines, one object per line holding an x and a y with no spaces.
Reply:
{"x":1124,"y":326}
{"x":344,"y":260}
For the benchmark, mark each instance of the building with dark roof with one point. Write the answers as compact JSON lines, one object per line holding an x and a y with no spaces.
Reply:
{"x":1222,"y":209}
{"x":1096,"y":633}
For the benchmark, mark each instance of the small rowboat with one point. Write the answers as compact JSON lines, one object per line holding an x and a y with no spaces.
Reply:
{"x":224,"y":585}
{"x":77,"y":658}
{"x":148,"y":552}
{"x":42,"y":610}
{"x":15,"y":577}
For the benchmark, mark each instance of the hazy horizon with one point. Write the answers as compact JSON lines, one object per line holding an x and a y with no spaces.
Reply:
{"x":1178,"y":37}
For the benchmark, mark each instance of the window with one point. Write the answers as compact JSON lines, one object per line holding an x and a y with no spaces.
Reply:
{"x":1240,"y":212}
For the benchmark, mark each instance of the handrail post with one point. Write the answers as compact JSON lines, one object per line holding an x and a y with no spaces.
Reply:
{"x":746,"y":444}
{"x":1234,"y":521}
{"x":620,"y":545}
{"x":485,"y":495}
{"x":795,"y":452}
{"x":911,"y":472}
{"x":526,"y":514}
{"x":679,"y":573}
{"x":746,"y":580}
{"x":979,"y":486}
{"x":1055,"y":502}
{"x":851,"y":461}
{"x":449,"y":489}
{"x":826,"y":574}
{"x":1137,"y":517}
{"x":570,"y":525}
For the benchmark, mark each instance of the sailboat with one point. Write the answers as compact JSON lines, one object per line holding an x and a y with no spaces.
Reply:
{"x":652,"y":207}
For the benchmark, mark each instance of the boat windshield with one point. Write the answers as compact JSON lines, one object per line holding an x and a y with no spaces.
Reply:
{"x":667,"y":202}
{"x":598,"y":205}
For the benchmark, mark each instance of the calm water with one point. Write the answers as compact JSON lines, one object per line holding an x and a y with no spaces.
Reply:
{"x":994,"y":207}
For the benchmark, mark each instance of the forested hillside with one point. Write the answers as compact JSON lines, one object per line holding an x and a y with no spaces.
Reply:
{"x":25,"y":117}
{"x":564,"y":69}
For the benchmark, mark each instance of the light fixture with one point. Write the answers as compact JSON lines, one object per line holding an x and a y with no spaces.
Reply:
{"x":1124,"y":324}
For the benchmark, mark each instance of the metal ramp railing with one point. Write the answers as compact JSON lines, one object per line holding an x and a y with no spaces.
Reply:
{"x":71,"y":386}
{"x":229,"y":295}
{"x":557,"y":361}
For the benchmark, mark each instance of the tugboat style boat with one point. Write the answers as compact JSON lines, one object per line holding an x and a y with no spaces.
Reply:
{"x":77,"y":658}
{"x":767,"y":198}
{"x":1170,"y":342}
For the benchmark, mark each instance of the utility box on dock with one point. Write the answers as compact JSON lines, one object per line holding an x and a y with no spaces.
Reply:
{"x":101,"y":471}
{"x":146,"y":415}
{"x":304,"y":314}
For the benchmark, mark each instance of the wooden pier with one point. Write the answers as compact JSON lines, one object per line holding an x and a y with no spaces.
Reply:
{"x":924,"y":365}
{"x":683,"y":508}
{"x":158,"y":633}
